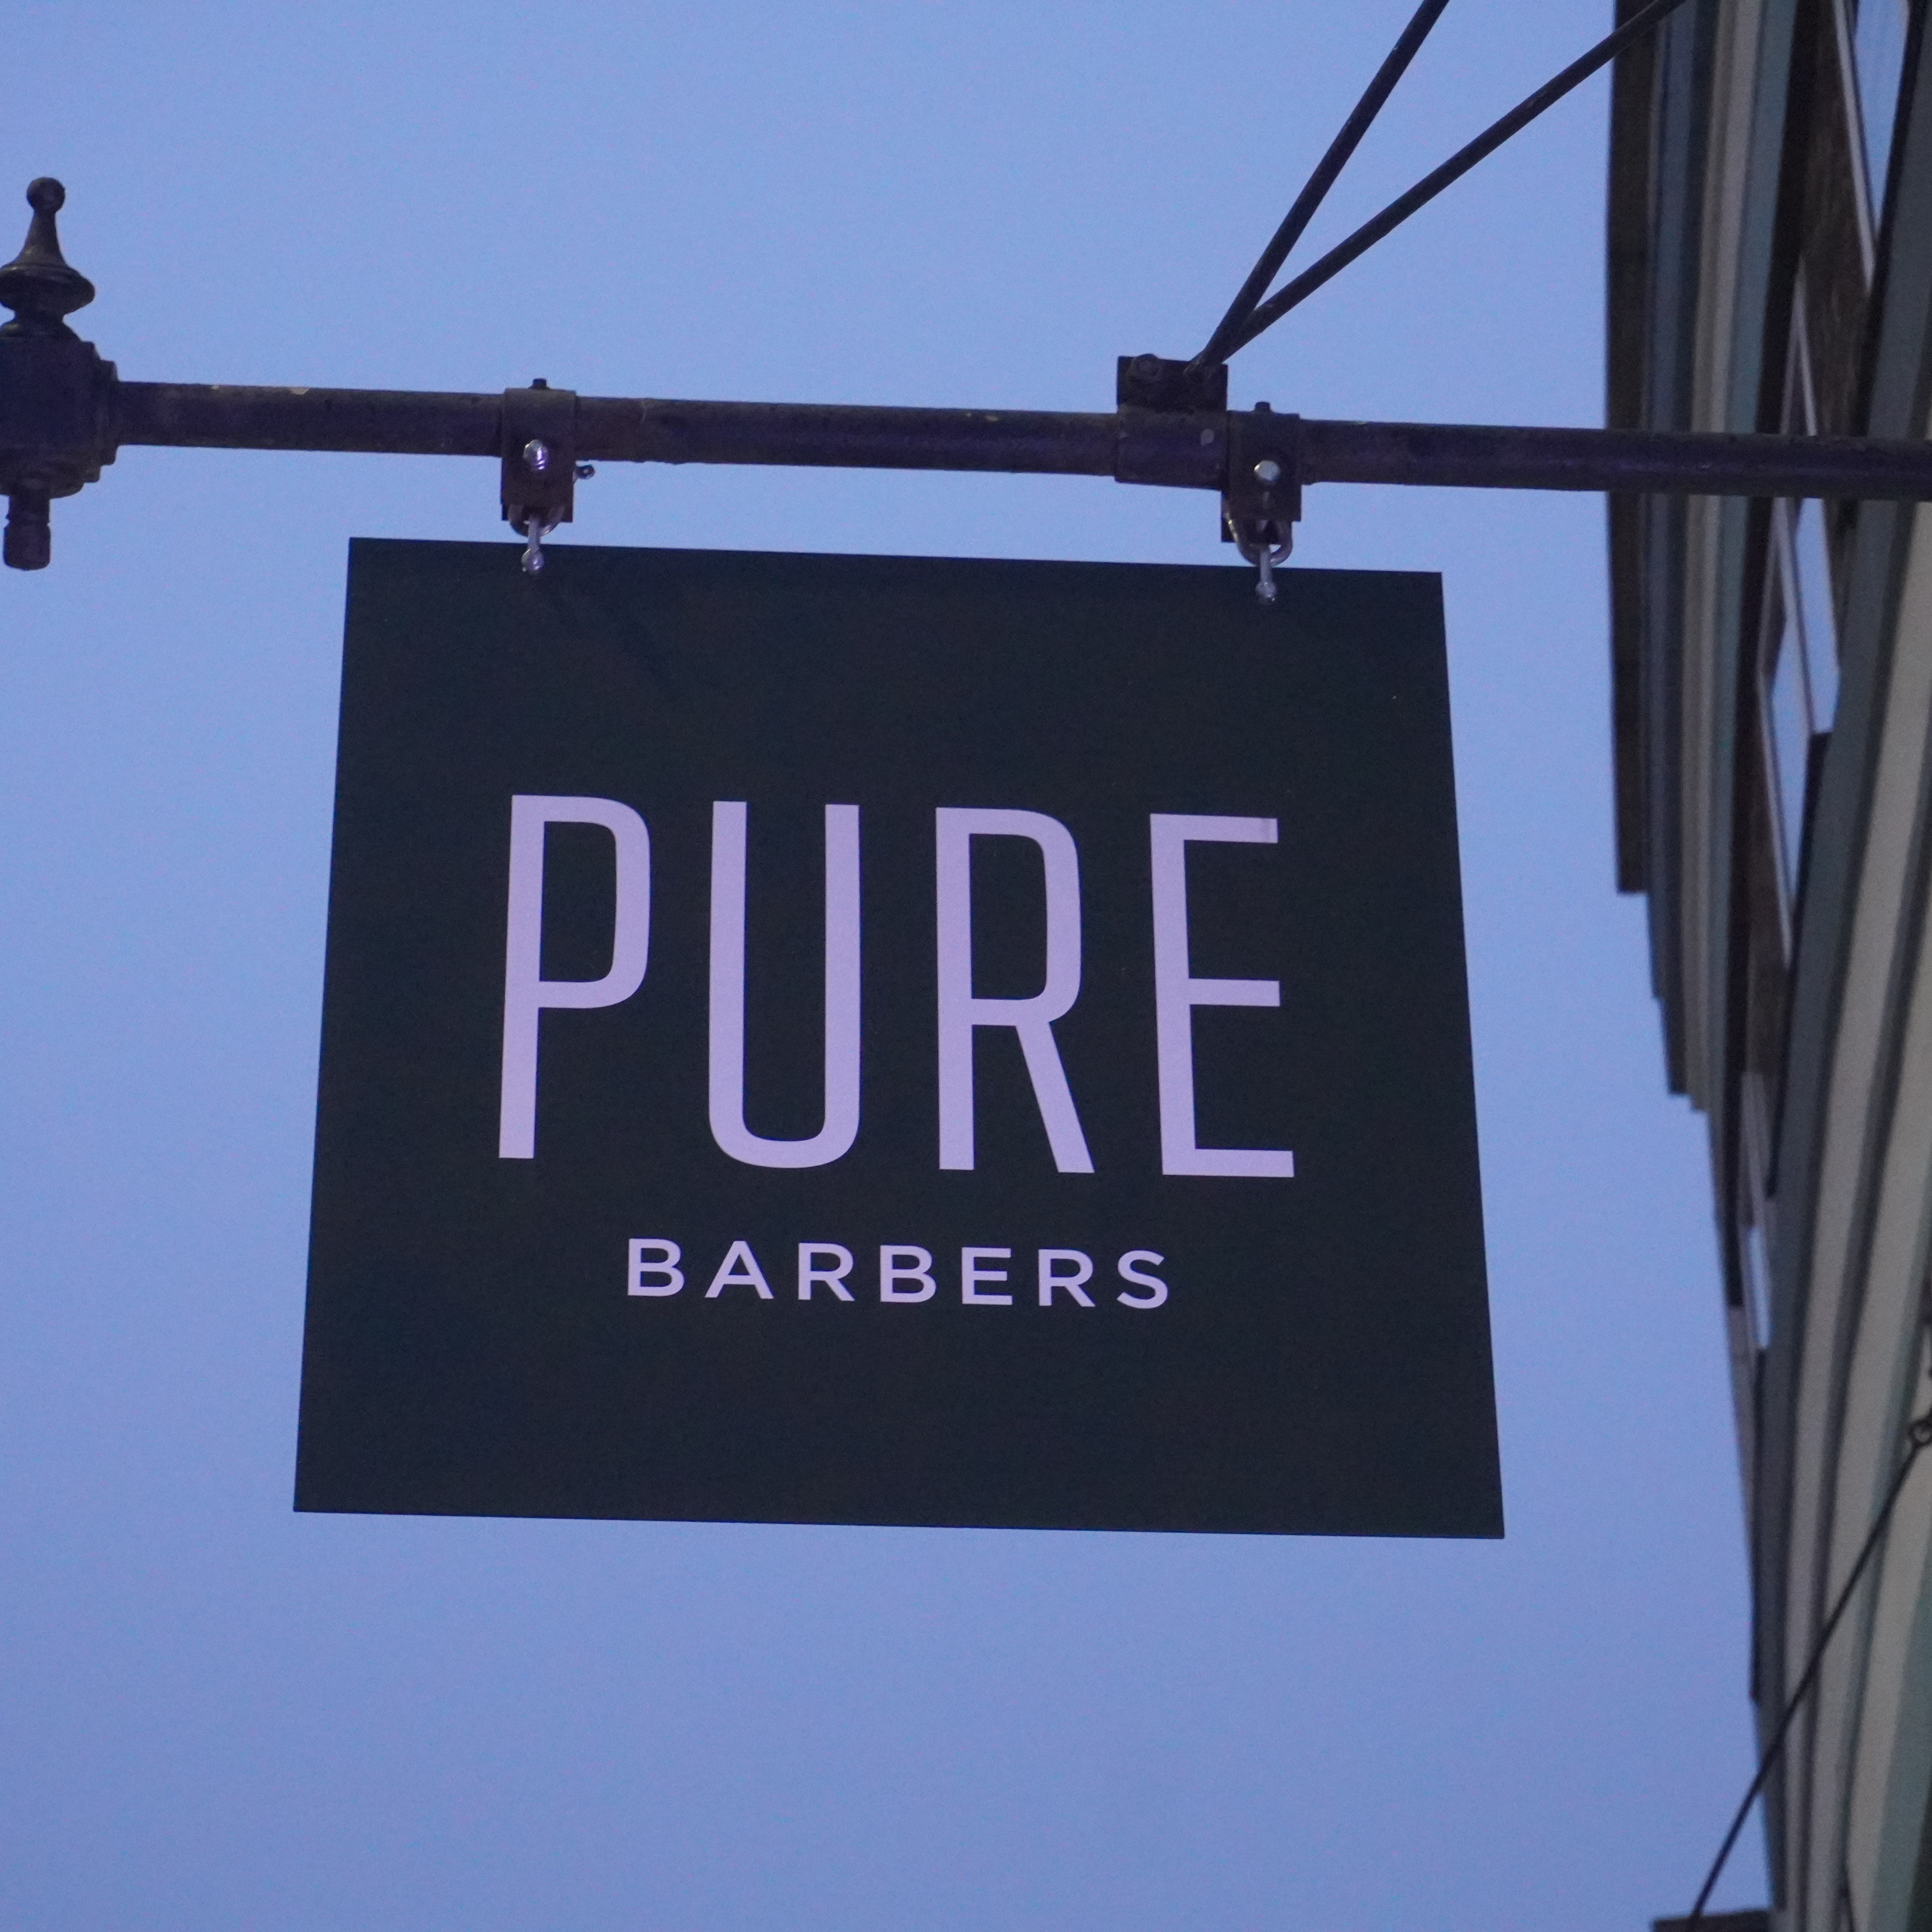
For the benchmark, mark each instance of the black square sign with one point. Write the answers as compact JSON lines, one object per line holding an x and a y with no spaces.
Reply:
{"x":894,"y":1040}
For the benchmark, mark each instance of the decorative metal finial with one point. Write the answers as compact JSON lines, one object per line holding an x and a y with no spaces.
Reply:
{"x":37,"y":285}
{"x":56,"y":393}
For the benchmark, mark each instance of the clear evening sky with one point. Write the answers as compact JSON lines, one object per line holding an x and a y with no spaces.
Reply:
{"x":214,"y":1713}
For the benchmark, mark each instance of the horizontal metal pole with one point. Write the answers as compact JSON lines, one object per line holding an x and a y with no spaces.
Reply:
{"x":622,"y":430}
{"x":1662,"y":462}
{"x":834,"y":435}
{"x":386,"y":422}
{"x":1187,"y":451}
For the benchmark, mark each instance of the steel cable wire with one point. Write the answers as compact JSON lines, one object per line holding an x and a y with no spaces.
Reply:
{"x":1330,"y":165}
{"x":1458,"y":164}
{"x":1918,"y":1435}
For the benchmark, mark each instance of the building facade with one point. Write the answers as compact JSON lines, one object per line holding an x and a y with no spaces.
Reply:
{"x":1771,"y":269}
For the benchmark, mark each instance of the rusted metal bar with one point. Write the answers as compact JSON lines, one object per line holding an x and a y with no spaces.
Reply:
{"x":623,"y":430}
{"x":1181,"y":451}
{"x":1657,"y":462}
{"x":64,"y":413}
{"x":393,"y":422}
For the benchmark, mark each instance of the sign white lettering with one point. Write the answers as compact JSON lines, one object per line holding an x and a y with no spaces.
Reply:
{"x":962,"y":1012}
{"x":655,"y":1267}
{"x":525,"y":991}
{"x":728,"y":994}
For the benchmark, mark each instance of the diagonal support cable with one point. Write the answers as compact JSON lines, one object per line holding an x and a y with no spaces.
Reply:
{"x":1331,"y":164}
{"x":1452,"y":170}
{"x":1918,"y":1435}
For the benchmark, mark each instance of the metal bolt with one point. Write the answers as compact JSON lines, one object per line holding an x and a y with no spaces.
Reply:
{"x":1206,"y":438}
{"x":28,"y":544}
{"x":585,"y":471}
{"x":536,"y":457}
{"x":1267,"y":470}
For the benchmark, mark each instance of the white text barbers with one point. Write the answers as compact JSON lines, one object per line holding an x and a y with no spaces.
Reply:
{"x":906,"y":1273}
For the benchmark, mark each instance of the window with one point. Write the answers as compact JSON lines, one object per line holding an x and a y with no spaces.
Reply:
{"x":1799,"y":656}
{"x":1800,"y":671}
{"x":1795,"y":694}
{"x":1754,"y":1219}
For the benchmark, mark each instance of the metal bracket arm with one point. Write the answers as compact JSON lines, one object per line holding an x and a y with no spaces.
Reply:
{"x":63,"y":413}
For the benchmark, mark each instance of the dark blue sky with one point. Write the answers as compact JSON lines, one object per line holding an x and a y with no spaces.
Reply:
{"x":214,"y":1713}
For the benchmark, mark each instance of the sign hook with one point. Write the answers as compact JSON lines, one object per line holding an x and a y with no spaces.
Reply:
{"x":1263,"y":551}
{"x":535,"y":528}
{"x":541,"y":470}
{"x":1262,"y":502}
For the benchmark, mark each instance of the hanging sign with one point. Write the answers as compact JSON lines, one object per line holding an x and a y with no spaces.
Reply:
{"x":890,"y":1040}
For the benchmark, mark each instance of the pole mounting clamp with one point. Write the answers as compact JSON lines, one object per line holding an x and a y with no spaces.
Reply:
{"x":1173,"y":388}
{"x":540,"y":465}
{"x":1262,"y":502}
